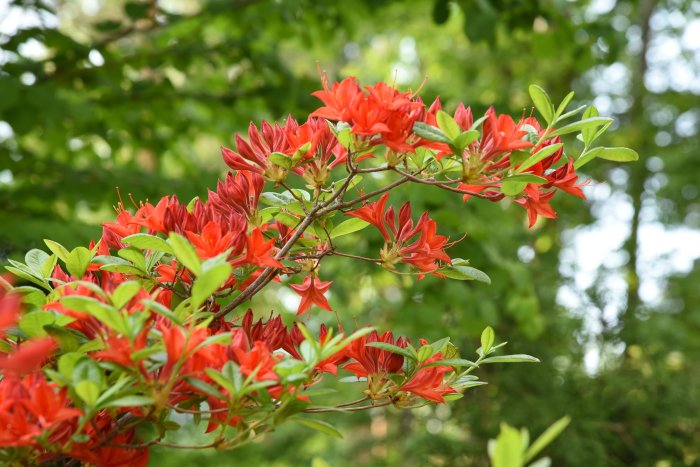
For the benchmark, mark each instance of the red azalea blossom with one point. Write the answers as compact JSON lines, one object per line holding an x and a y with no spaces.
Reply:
{"x":416,"y":244}
{"x":537,"y":203}
{"x":371,"y":360}
{"x":29,"y":356}
{"x":30,"y":407}
{"x":311,"y":292}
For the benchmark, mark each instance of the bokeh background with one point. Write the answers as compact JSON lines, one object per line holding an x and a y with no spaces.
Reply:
{"x":139,"y":95}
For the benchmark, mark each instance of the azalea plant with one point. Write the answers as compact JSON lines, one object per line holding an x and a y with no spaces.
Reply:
{"x":103,"y":344}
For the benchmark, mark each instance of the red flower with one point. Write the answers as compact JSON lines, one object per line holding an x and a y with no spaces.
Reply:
{"x":416,"y":244}
{"x":501,"y":134}
{"x":253,"y":156}
{"x":95,"y":451}
{"x":30,"y":407}
{"x":169,"y":273}
{"x":339,"y":99}
{"x":237,"y":194}
{"x":311,"y":293}
{"x":211,"y":242}
{"x":113,"y":232}
{"x":374,"y":214}
{"x":428,"y":384}
{"x":371,"y":360}
{"x":260,"y":252}
{"x":119,"y":349}
{"x":257,"y":360}
{"x":565,"y":178}
{"x":537,"y":203}
{"x":9,"y":309}
{"x":29,"y":356}
{"x":178,"y":345}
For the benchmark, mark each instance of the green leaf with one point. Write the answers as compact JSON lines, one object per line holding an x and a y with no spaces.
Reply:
{"x":162,"y":310}
{"x":618,"y":154}
{"x":222,"y":381}
{"x":448,"y":125}
{"x":392,"y":348}
{"x":349,"y":226}
{"x":148,"y":242}
{"x":57,"y":249}
{"x":454,"y":362}
{"x":78,"y":261}
{"x":512,"y":187}
{"x":66,"y":338}
{"x":461,"y":271}
{"x":35,"y":260}
{"x":542,"y":102}
{"x":124,"y":293}
{"x":26,"y":275}
{"x":32,"y":324}
{"x":134,"y":255}
{"x":206,"y":388}
{"x":588,"y":134}
{"x":517,"y":358}
{"x":430,"y":133}
{"x":465,"y":139}
{"x":88,"y":391}
{"x":539,"y":156}
{"x":593,"y":122}
{"x":507,"y":449}
{"x":526,"y":178}
{"x":487,"y":338}
{"x":208,"y":282}
{"x":185,"y":253}
{"x":67,"y":362}
{"x":128,"y":401}
{"x":281,"y":159}
{"x":547,"y":437}
{"x":319,"y":425}
{"x":564,"y":104}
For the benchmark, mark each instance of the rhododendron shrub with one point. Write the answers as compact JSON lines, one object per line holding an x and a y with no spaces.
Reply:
{"x":104,"y":343}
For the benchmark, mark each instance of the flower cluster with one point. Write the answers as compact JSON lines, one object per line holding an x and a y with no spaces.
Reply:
{"x":102,"y":341}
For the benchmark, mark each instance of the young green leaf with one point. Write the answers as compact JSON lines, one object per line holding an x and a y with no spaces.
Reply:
{"x":78,"y":261}
{"x":392,"y":348}
{"x":319,"y":425}
{"x":281,"y":159}
{"x":588,"y":134}
{"x":618,"y":154}
{"x":448,"y":125}
{"x":461,"y":270}
{"x":517,"y":358}
{"x":539,"y":156}
{"x":507,"y":449}
{"x":88,"y":391}
{"x":563,"y":105}
{"x":57,"y":249}
{"x":185,"y":253}
{"x":430,"y":133}
{"x":547,"y":437}
{"x":487,"y":338}
{"x":124,"y":293}
{"x":208,"y":282}
{"x":542,"y":102}
{"x":148,"y":242}
{"x":593,"y":122}
{"x":347,"y":227}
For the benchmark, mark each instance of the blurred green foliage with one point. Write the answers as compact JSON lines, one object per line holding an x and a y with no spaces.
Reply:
{"x":140,"y":95}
